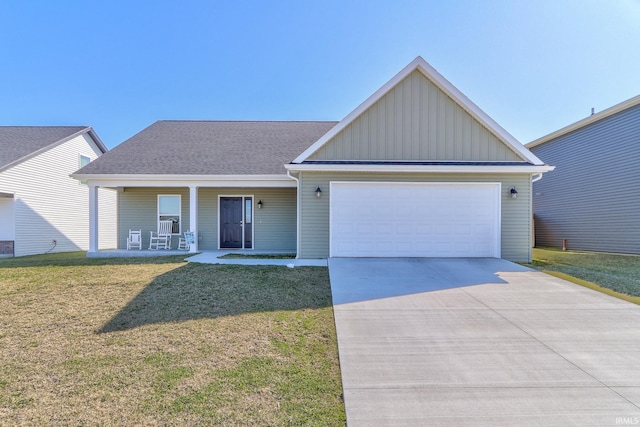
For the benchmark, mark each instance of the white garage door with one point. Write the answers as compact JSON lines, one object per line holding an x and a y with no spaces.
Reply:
{"x":374,"y":219}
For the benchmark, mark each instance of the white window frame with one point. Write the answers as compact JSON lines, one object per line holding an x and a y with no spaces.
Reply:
{"x":179,"y":214}
{"x":80,"y":165}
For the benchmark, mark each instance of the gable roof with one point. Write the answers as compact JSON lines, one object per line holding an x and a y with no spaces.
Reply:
{"x":170,"y":147}
{"x":625,"y":105}
{"x":19,"y":143}
{"x":443,"y":84}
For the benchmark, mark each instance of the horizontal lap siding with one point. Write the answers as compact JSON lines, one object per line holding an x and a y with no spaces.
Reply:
{"x":415,"y":121}
{"x":591,"y":198}
{"x":275,"y":223}
{"x":516,"y":214}
{"x":138,"y":210}
{"x":49,"y":205}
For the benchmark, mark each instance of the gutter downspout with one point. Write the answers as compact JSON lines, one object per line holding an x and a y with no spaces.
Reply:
{"x":297,"y":212}
{"x":538,"y":177}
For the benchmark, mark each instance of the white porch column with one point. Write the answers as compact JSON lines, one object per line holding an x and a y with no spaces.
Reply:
{"x":193,"y":216}
{"x":93,"y":218}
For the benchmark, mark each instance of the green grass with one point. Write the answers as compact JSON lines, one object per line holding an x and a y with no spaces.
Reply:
{"x":619,"y":273}
{"x":157,"y":341}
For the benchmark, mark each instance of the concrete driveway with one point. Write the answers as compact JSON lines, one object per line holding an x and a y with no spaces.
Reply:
{"x":481,"y":342}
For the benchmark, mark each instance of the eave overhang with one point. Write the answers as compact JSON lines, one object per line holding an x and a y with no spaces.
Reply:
{"x":426,"y":167}
{"x":134,"y":180}
{"x":629,"y":103}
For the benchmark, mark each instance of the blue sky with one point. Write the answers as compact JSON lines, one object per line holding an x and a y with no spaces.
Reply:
{"x":534,"y":66}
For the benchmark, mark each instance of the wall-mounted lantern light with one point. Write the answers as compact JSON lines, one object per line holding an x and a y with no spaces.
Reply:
{"x":513,"y":192}
{"x":259,"y":204}
{"x":318,"y":192}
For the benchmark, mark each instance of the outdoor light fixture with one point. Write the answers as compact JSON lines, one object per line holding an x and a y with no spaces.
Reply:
{"x":259,"y":204}
{"x":318,"y":192}
{"x":514,"y":193}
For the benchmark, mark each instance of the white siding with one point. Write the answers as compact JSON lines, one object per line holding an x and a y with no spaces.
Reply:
{"x":7,"y":219}
{"x":50,"y":205}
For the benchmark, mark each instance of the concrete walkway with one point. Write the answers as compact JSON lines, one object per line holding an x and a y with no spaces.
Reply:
{"x":213,"y":257}
{"x":481,"y":342}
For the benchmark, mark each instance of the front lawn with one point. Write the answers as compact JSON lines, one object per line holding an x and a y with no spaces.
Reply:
{"x":157,"y":341}
{"x":620,"y":273}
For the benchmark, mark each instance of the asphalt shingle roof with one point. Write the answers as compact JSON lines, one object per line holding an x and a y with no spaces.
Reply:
{"x":17,"y":142}
{"x":210,"y":148}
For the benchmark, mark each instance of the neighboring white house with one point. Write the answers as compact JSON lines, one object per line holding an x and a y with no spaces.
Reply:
{"x":42,"y":209}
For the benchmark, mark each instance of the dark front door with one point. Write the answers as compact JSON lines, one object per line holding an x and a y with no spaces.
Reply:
{"x":231,"y":222}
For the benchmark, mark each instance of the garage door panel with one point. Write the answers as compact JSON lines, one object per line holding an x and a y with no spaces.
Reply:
{"x":415,"y":219}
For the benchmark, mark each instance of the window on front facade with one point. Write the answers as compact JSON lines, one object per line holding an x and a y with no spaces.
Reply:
{"x":169,"y":210}
{"x":84,"y":161}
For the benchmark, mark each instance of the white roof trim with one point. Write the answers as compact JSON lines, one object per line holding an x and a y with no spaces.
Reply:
{"x":132,"y":180}
{"x":587,"y":121}
{"x":420,"y":168}
{"x":429,"y":72}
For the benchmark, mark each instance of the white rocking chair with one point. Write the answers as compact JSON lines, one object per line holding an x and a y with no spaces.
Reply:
{"x":182,"y":241}
{"x":134,"y":240}
{"x":161,"y":239}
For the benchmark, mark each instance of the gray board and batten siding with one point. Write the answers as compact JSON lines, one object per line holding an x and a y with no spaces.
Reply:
{"x":274,"y":224}
{"x":515,"y":213}
{"x":592,"y":199}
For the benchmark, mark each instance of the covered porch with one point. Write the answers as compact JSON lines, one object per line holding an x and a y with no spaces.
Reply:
{"x":244,"y":213}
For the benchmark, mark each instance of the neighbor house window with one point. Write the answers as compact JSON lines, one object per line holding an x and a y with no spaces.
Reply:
{"x":169,"y":210}
{"x":84,"y":161}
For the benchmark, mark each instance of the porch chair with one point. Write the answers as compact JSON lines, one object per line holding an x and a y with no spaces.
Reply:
{"x":134,"y":240}
{"x":182,"y":241}
{"x":161,"y":239}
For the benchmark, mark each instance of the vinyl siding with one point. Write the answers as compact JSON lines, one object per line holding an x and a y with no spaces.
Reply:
{"x":275,"y":223}
{"x":7,"y":225}
{"x":51,"y":205}
{"x":591,"y":198}
{"x":138,"y":210}
{"x":415,"y":121}
{"x":515,"y":221}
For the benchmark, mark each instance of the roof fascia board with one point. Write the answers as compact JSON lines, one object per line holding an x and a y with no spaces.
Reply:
{"x":439,"y":80}
{"x":586,"y":121}
{"x":47,"y":148}
{"x":97,"y":140}
{"x":420,"y":168}
{"x":186,"y":180}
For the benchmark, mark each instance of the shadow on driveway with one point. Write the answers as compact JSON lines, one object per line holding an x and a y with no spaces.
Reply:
{"x":363,"y":279}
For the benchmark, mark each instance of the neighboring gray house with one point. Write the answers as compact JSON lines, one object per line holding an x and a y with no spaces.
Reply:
{"x":416,"y":170}
{"x":592,"y":198}
{"x":42,"y":208}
